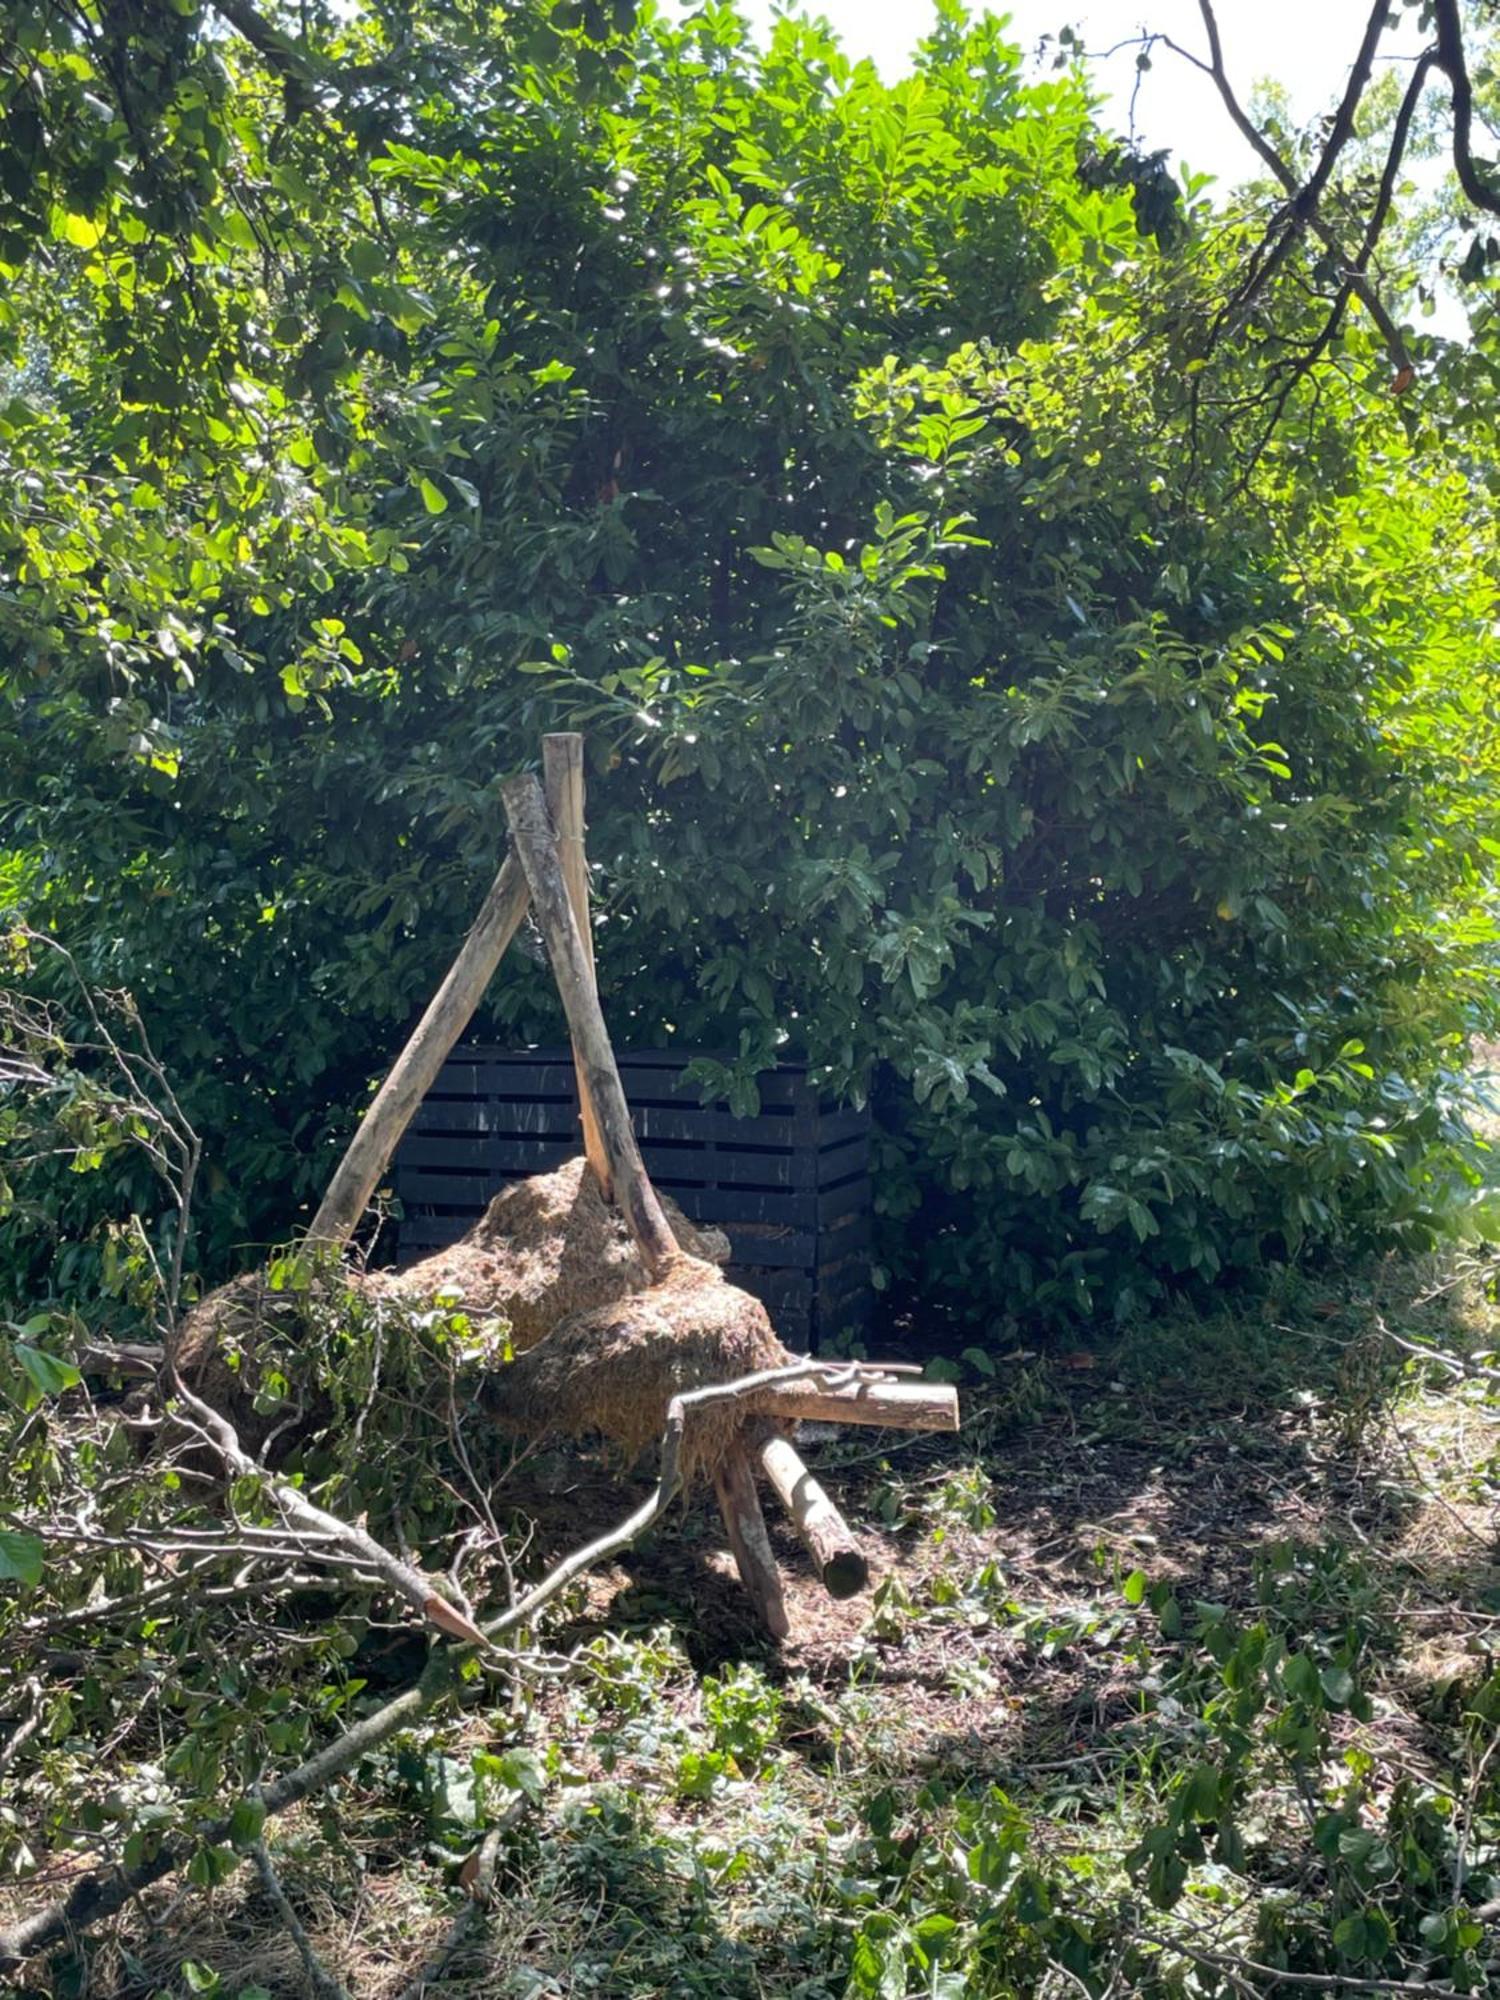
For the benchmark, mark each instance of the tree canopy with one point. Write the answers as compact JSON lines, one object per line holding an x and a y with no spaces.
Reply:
{"x":1055,"y":702}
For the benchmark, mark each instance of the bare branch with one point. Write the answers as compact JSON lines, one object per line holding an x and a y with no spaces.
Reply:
{"x":1287,"y":178}
{"x":1483,"y":192}
{"x":319,"y":1978}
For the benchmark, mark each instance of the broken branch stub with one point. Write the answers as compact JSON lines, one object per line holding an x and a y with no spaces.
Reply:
{"x":838,"y":1558}
{"x":897,"y":1406}
{"x":739,"y":1503}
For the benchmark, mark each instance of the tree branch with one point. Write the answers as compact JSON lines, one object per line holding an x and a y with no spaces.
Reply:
{"x":319,"y":1978}
{"x":1286,"y":176}
{"x":104,"y":1892}
{"x":291,"y":62}
{"x":1452,"y":62}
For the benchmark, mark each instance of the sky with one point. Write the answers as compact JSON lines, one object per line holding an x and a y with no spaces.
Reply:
{"x":1307,"y":45}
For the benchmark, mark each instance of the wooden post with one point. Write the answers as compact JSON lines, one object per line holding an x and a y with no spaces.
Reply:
{"x":899,"y":1406}
{"x":839,"y":1559}
{"x":739,"y":1503}
{"x":415,"y":1069}
{"x":562,"y":767}
{"x":531,"y":831}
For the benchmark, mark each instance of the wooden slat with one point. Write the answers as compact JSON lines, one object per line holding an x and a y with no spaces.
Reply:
{"x":851,"y":1197}
{"x":656,"y":1076}
{"x":652,"y":1122}
{"x":843,"y":1162}
{"x":790,"y":1186}
{"x":488,"y":1155}
{"x":789,"y":1207}
{"x":774,"y":1249}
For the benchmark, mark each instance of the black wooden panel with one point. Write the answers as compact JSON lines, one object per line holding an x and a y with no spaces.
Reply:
{"x":851,"y":1197}
{"x":791,"y":1208}
{"x":789,"y":1186}
{"x":651,"y":1075}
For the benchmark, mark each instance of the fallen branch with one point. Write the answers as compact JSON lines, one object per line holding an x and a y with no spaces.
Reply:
{"x":319,"y":1978}
{"x":1232,"y":1964}
{"x":28,"y":1726}
{"x":103,"y":1892}
{"x":317,"y":1522}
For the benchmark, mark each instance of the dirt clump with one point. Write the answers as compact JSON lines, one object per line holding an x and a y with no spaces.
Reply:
{"x":548,"y":1251}
{"x":614,"y":1368}
{"x":545,"y":1249}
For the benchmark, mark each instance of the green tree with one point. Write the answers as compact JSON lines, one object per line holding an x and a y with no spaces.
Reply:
{"x":1012,"y":693}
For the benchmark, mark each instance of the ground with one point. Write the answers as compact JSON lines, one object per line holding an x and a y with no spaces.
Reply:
{"x":1177,"y":1675}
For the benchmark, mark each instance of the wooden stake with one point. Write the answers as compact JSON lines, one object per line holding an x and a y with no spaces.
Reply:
{"x":535,"y":845}
{"x":739,"y":1503}
{"x":415,"y":1069}
{"x":899,"y":1406}
{"x":562,"y":767}
{"x":839,"y":1559}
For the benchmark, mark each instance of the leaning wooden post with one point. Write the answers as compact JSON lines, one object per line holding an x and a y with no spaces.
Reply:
{"x":415,"y":1070}
{"x":562,"y":768}
{"x":839,"y":1560}
{"x":734,"y":1480}
{"x":531,"y":831}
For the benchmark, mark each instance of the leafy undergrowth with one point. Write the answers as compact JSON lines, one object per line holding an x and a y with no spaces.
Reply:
{"x":1179,"y":1677}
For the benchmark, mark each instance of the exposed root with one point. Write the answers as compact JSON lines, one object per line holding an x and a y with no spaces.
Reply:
{"x":615,"y":1369}
{"x":546,"y":1250}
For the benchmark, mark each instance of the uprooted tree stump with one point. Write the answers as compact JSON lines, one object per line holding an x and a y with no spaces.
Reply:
{"x":608,"y":1368}
{"x":626,"y":1327}
{"x":615,"y":1302}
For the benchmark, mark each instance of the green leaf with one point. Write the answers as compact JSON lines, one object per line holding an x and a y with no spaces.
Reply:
{"x":48,"y":1375}
{"x":1365,"y":1936}
{"x":79,"y":230}
{"x":1338,"y":1685}
{"x":521,"y":1770}
{"x":1300,"y":1678}
{"x":210,"y":1867}
{"x":246,"y":1822}
{"x":22,"y":1557}
{"x":433,"y":497}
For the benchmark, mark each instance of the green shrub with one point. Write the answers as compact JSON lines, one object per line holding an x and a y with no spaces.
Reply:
{"x":998,"y":698}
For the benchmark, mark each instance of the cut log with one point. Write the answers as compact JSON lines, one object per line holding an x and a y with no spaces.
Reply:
{"x":900,"y":1406}
{"x":739,"y":1503}
{"x":532,"y":832}
{"x":837,"y":1556}
{"x":562,"y":767}
{"x":415,"y":1069}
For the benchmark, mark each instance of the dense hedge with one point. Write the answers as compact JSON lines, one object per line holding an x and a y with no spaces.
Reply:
{"x":996,"y":695}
